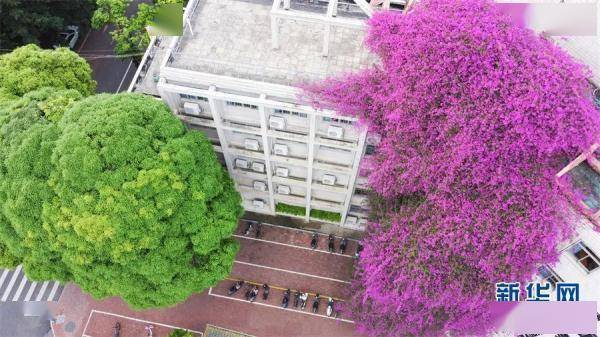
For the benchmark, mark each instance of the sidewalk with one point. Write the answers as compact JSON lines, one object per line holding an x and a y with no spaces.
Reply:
{"x":280,"y":257}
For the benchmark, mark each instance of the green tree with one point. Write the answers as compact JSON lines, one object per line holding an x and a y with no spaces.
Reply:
{"x":29,"y":68}
{"x":143,"y":210}
{"x":129,"y":34}
{"x":27,"y":135}
{"x":181,"y":333}
{"x":26,"y":21}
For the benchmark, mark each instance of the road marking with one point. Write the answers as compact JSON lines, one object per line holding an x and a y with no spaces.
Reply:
{"x":124,"y":75}
{"x":292,"y":272}
{"x":42,"y":291}
{"x":299,"y":229}
{"x":3,"y":277}
{"x":31,"y":290}
{"x":105,"y":28}
{"x":293,"y":246}
{"x":84,"y":40}
{"x":278,"y":307}
{"x":13,"y":279}
{"x":141,"y":321}
{"x":86,"y":323}
{"x":20,"y":289}
{"x":53,"y":291}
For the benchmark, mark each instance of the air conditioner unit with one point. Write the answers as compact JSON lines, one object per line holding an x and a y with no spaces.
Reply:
{"x":335,"y":132}
{"x":362,"y":222}
{"x":328,"y":179}
{"x":373,"y":139}
{"x":258,"y":167}
{"x":282,"y":172}
{"x":276,"y":122}
{"x":193,"y":109}
{"x":258,"y":203}
{"x":251,"y":144}
{"x":280,"y":149}
{"x":242,"y":163}
{"x":351,"y":220}
{"x":260,"y":186}
{"x":283,"y":189}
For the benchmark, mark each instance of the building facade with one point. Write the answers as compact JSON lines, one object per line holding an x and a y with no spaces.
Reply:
{"x":234,"y":75}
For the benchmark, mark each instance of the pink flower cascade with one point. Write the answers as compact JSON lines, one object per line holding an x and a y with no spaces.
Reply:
{"x":476,"y":116}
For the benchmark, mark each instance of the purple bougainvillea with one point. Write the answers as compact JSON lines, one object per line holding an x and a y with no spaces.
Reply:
{"x":476,"y":116}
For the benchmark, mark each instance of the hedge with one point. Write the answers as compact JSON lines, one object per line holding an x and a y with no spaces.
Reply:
{"x":290,"y":209}
{"x":325,"y":215}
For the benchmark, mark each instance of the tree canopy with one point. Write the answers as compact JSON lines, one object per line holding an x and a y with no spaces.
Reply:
{"x":130,"y":35}
{"x":127,"y":201}
{"x":476,"y":116}
{"x":27,"y":136}
{"x":25,"y":21}
{"x":29,"y":68}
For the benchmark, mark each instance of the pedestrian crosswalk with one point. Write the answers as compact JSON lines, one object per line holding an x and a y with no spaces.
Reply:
{"x":14,"y":286}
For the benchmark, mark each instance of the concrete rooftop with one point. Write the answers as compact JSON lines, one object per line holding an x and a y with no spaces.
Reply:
{"x":233,"y":38}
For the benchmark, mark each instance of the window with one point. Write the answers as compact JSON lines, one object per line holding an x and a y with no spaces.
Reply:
{"x":370,"y":149}
{"x":548,"y":275}
{"x":198,"y":98}
{"x":586,"y":258}
{"x":293,"y":113}
{"x":337,"y":120}
{"x":242,"y":105}
{"x":361,"y":191}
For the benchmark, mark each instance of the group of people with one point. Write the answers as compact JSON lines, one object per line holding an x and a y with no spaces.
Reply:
{"x":300,"y":298}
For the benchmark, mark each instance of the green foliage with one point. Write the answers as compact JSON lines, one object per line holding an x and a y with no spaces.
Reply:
{"x":143,"y":210}
{"x":27,"y":139}
{"x":290,"y":209}
{"x":181,"y":333}
{"x":26,"y":21}
{"x":7,"y":260}
{"x":115,"y":195}
{"x":29,"y":68}
{"x":325,"y":215}
{"x":130,"y":34}
{"x":6,"y":98}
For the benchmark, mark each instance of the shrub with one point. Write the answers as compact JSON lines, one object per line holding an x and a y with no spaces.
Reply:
{"x":325,"y":215}
{"x":290,"y":209}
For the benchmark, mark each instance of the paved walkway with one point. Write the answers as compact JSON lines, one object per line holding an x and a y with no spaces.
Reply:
{"x":280,"y":257}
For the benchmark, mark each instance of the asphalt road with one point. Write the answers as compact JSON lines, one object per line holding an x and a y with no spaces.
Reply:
{"x":112,"y":73}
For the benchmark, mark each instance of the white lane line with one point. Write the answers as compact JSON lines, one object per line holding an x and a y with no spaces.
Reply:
{"x":13,"y":279}
{"x":143,"y":321}
{"x":20,"y":289}
{"x":84,"y":40}
{"x":278,"y":307}
{"x":299,"y":229}
{"x":291,"y":272}
{"x":31,"y":290}
{"x":124,"y":75}
{"x":3,"y":277}
{"x":86,"y":323}
{"x":42,"y":291}
{"x":53,"y":291}
{"x":293,"y":246}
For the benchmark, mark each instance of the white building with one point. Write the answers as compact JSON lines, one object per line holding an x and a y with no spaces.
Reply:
{"x":232,"y":76}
